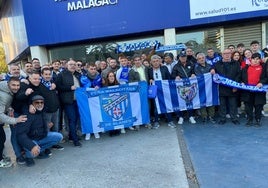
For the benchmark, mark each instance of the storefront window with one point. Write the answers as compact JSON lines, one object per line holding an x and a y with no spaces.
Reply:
{"x":200,"y":41}
{"x":96,"y":51}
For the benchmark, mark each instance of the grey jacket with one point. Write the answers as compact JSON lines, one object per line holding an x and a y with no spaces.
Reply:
{"x":6,"y":97}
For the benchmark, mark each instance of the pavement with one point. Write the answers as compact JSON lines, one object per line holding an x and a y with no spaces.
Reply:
{"x":145,"y":158}
{"x":200,"y":155}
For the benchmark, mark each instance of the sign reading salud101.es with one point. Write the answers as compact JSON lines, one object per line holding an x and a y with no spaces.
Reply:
{"x":60,"y":21}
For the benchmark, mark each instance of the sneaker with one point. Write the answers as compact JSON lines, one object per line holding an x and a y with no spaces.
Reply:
{"x":171,"y":124}
{"x":5,"y":164}
{"x":29,"y":162}
{"x":228,"y":116}
{"x":123,"y":131}
{"x":131,"y":128}
{"x":204,"y":120}
{"x":87,"y":137}
{"x":156,"y":125}
{"x":48,"y":152}
{"x":212,"y":120}
{"x":258,"y":123}
{"x":180,"y":122}
{"x":97,"y":135}
{"x":20,"y":160}
{"x":137,"y":127}
{"x":42,"y":155}
{"x":148,"y":125}
{"x":6,"y":158}
{"x":58,"y":147}
{"x":77,"y":144}
{"x":192,"y":121}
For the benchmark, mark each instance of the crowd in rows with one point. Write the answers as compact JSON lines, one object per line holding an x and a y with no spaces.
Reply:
{"x":34,"y":97}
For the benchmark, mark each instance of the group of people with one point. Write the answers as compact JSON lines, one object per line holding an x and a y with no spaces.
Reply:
{"x":34,"y":99}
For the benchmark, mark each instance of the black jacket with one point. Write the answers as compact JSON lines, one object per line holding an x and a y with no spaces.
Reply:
{"x":34,"y":128}
{"x":260,"y":97}
{"x":64,"y":83}
{"x":182,"y":71}
{"x":164,"y":73}
{"x":229,"y":70}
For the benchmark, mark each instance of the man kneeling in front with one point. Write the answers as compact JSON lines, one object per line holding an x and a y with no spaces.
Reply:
{"x":33,"y":135}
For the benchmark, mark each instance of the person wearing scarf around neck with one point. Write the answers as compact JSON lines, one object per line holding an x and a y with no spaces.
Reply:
{"x":122,"y":74}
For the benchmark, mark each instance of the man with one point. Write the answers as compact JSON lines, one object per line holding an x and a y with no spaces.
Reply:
{"x":66,"y":83}
{"x":256,"y":48}
{"x":212,"y":57}
{"x":169,"y":61}
{"x":240,"y":48}
{"x":28,"y":68}
{"x":7,"y":90}
{"x":231,"y":47}
{"x":158,"y":72}
{"x":207,"y":113}
{"x":36,"y":65}
{"x":112,"y":67}
{"x":190,"y":56}
{"x":33,"y":135}
{"x":183,"y":69}
{"x":229,"y":69}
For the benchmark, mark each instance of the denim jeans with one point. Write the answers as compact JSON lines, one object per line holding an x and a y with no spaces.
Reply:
{"x":71,"y":111}
{"x":16,"y":147}
{"x":50,"y":140}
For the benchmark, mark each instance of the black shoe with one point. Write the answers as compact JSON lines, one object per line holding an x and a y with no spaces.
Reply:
{"x":58,"y":147}
{"x":249,"y":123}
{"x":42,"y":155}
{"x":77,"y":144}
{"x":204,"y":120}
{"x":236,"y":122}
{"x":221,"y":122}
{"x":258,"y":123}
{"x":29,"y":162}
{"x":48,"y":152}
{"x":20,"y":160}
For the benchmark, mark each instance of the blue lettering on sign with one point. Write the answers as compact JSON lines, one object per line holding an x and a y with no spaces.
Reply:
{"x":258,"y":2}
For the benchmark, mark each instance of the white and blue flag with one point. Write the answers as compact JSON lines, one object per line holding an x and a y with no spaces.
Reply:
{"x":113,"y":107}
{"x":184,"y":94}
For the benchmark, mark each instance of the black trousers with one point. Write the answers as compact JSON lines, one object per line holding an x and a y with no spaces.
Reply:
{"x":2,"y":140}
{"x":250,"y":105}
{"x":231,"y":103}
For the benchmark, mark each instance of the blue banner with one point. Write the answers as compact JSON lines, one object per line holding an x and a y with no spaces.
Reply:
{"x":114,"y":107}
{"x":190,"y":93}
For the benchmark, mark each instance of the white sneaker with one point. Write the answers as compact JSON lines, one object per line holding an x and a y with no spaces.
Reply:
{"x":192,"y":121}
{"x":123,"y":131}
{"x":180,"y":121}
{"x":171,"y":124}
{"x":131,"y":128}
{"x":97,"y":135}
{"x":87,"y":137}
{"x":228,"y":116}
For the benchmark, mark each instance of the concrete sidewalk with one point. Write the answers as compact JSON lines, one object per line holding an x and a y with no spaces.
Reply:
{"x":147,"y":158}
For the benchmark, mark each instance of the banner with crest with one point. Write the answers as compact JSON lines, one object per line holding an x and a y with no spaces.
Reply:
{"x":113,"y":107}
{"x":184,"y":94}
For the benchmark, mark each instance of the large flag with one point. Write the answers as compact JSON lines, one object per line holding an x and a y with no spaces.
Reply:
{"x":190,"y":93}
{"x":113,"y":107}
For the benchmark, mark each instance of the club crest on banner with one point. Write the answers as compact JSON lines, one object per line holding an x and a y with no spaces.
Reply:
{"x":187,"y":93}
{"x":115,"y":104}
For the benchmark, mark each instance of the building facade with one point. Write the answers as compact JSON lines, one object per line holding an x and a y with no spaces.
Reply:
{"x":91,"y":29}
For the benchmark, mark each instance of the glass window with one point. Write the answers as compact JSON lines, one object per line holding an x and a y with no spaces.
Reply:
{"x":97,"y":51}
{"x":200,"y":41}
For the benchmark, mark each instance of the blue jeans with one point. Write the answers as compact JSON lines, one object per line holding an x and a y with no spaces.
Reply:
{"x":71,"y":111}
{"x":50,"y":140}
{"x":16,"y":147}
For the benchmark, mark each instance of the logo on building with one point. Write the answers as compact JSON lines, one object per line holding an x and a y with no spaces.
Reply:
{"x":259,"y":3}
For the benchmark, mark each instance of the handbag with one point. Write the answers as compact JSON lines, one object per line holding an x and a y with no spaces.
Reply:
{"x":152,"y":91}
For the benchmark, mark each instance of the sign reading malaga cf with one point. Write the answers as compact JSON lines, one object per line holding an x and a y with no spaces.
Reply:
{"x":86,"y":4}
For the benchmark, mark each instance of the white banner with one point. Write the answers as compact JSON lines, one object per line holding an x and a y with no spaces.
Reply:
{"x":211,"y":8}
